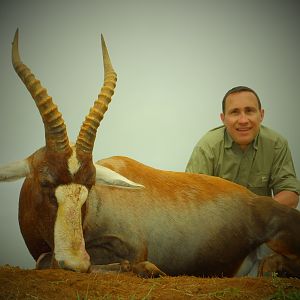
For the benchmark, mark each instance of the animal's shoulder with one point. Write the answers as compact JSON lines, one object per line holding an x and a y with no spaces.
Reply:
{"x":119,"y":163}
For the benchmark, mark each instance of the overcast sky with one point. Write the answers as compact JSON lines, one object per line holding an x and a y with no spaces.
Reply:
{"x":175,"y":60}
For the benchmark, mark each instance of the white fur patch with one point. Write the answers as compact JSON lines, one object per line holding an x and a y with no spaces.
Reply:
{"x":72,"y":195}
{"x":73,"y":163}
{"x":69,"y":243}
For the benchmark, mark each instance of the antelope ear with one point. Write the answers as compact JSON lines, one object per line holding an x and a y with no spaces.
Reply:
{"x":14,"y":170}
{"x":109,"y":177}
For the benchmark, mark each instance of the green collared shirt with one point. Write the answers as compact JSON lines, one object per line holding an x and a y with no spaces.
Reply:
{"x":265,"y":168}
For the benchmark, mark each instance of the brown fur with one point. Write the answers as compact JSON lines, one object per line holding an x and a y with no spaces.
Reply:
{"x":260,"y":220}
{"x":243,"y":221}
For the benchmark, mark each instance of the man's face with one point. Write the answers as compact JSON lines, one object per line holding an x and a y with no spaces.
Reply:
{"x":242,"y":117}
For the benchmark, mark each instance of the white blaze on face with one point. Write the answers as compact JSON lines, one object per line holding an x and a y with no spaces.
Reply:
{"x":73,"y":163}
{"x":69,"y":246}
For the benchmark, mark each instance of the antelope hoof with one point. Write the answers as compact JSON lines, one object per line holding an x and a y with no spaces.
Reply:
{"x":267,"y":266}
{"x":146,"y":269}
{"x":44,"y":261}
{"x":283,"y":266}
{"x":123,"y":266}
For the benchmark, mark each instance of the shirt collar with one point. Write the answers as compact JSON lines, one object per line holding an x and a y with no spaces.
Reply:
{"x":229,"y":141}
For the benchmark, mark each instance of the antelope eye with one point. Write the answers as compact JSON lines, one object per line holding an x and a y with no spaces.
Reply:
{"x":47,"y":181}
{"x":48,"y":191}
{"x":46,"y":184}
{"x":45,"y":178}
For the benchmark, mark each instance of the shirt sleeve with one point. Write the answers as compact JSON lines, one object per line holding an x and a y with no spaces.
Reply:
{"x":201,"y":160}
{"x":283,"y":175}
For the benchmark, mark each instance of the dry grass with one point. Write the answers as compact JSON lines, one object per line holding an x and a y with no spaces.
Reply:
{"x":16,"y":283}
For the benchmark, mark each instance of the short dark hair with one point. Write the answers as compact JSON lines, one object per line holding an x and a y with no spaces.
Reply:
{"x":238,"y":89}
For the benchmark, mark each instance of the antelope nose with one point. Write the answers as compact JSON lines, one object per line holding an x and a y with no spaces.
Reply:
{"x":81,"y":267}
{"x":62,"y":265}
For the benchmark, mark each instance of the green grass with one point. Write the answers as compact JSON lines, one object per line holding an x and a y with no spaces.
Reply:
{"x":281,"y":293}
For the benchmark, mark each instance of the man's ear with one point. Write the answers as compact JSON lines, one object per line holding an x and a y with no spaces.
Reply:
{"x":222,"y":117}
{"x":262,"y":114}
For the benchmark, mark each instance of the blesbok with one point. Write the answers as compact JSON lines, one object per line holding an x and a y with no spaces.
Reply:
{"x":118,"y":214}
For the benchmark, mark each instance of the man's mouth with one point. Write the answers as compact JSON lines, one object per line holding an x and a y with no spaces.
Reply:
{"x":243,"y":129}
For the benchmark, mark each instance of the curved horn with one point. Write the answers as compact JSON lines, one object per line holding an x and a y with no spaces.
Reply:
{"x":55,"y":128}
{"x":87,"y":135}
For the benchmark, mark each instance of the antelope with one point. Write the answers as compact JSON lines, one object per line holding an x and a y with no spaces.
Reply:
{"x":120,"y":215}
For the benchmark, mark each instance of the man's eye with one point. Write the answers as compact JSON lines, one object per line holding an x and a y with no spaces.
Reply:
{"x":234,"y":112}
{"x":251,"y":110}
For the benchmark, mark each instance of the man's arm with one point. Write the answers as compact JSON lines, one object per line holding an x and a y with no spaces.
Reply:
{"x":286,"y":186}
{"x":200,"y":162}
{"x":287,"y":198}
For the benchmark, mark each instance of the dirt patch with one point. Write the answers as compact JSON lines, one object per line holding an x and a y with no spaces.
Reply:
{"x":16,"y":283}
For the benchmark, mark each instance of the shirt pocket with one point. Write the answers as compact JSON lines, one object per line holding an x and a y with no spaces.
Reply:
{"x":259,"y":184}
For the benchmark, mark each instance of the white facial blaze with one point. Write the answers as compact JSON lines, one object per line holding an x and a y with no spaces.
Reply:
{"x":73,"y":163}
{"x":69,"y":246}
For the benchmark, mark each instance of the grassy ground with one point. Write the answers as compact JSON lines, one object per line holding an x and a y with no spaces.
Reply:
{"x":16,"y":283}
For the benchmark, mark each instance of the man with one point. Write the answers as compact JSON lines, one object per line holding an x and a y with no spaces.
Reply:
{"x":246,"y":152}
{"x":250,"y":154}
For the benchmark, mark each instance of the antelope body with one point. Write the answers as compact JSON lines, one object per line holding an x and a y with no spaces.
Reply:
{"x":118,"y":214}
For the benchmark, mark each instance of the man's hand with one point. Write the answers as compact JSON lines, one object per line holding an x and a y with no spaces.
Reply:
{"x":287,"y":198}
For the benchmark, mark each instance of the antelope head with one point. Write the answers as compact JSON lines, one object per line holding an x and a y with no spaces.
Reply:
{"x":59,"y":176}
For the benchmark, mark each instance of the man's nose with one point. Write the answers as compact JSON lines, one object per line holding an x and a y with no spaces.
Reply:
{"x":243,"y":118}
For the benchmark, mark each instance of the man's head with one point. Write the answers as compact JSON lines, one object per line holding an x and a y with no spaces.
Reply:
{"x":242,"y":115}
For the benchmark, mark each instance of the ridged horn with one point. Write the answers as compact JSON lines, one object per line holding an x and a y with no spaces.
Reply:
{"x":55,"y":129}
{"x":87,"y":135}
